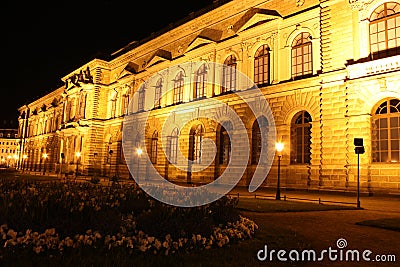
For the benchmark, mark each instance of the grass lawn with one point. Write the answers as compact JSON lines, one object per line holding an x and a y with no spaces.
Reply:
{"x":268,"y":206}
{"x":386,"y":223}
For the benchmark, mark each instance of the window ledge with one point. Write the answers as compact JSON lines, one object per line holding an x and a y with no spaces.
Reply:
{"x":362,"y":68}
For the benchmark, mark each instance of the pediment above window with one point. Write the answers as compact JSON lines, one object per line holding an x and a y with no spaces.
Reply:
{"x":130,"y":68}
{"x":207,"y":36}
{"x":255,"y":17}
{"x":159,"y":56}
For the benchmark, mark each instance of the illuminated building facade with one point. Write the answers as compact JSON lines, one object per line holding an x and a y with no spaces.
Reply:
{"x":329,"y":69}
{"x":8,"y":147}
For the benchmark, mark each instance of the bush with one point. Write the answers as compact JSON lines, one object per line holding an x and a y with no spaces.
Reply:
{"x":95,"y":180}
{"x":163,"y":219}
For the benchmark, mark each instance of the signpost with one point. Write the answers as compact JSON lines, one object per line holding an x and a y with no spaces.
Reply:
{"x":359,"y":149}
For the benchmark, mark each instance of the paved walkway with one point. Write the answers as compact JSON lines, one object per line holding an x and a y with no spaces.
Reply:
{"x":388,"y":203}
{"x":320,"y":230}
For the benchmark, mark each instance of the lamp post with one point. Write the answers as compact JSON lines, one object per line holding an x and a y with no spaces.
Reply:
{"x":24,"y":157}
{"x":78,"y":156}
{"x":139,"y":152}
{"x":44,"y":163}
{"x":279,"y":147}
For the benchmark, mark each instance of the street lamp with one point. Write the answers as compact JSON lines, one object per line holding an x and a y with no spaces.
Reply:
{"x":279,"y":147}
{"x":24,"y":157}
{"x":78,"y":156}
{"x":139,"y":152}
{"x":44,"y":162}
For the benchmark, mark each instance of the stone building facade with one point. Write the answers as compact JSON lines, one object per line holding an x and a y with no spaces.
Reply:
{"x":9,"y":147}
{"x":329,"y":70}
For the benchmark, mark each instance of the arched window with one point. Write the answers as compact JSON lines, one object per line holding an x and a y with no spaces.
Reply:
{"x":261,"y":66}
{"x":229,"y":74}
{"x":173,"y":146}
{"x":257,"y":136}
{"x":225,"y":143}
{"x":200,"y":82}
{"x":157,"y":94}
{"x":384,"y":30}
{"x":178,"y":88}
{"x":386,"y":132}
{"x":141,"y":98}
{"x":301,"y":55}
{"x":195,"y":143}
{"x":153,"y":148}
{"x":300,"y":137}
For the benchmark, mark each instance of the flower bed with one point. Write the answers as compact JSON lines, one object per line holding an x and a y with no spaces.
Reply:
{"x":50,"y":218}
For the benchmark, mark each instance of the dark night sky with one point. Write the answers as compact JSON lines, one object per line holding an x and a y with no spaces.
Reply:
{"x":41,"y":42}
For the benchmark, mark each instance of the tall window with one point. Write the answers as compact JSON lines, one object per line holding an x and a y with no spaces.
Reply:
{"x":384,"y":30}
{"x":229,"y":74}
{"x":200,"y":82}
{"x":300,"y":149}
{"x":261,"y":66}
{"x":126,"y":100}
{"x":258,"y":134}
{"x":178,"y":88}
{"x":141,"y":99}
{"x":82,"y":105}
{"x":69,"y":114}
{"x":114,"y":105}
{"x":153,"y":148}
{"x":195,"y":143}
{"x":386,"y":132}
{"x":225,"y":143}
{"x":301,"y":55}
{"x":157,"y":94}
{"x":173,"y":146}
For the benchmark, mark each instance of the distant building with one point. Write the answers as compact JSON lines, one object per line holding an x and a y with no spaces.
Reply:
{"x":9,"y":147}
{"x":330,"y":71}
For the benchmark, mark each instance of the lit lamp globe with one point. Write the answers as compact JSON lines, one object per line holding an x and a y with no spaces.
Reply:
{"x":279,"y":147}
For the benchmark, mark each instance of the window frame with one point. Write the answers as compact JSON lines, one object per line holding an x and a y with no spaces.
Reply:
{"x":305,"y":138}
{"x":229,"y":73}
{"x":388,"y":118}
{"x":224,"y":143}
{"x":173,"y":146}
{"x":141,"y":99}
{"x":256,"y":138}
{"x":200,"y":84}
{"x":301,"y":42}
{"x":377,"y":53}
{"x":158,"y":93}
{"x":154,"y":148}
{"x":178,"y":87}
{"x":195,"y":143}
{"x":262,"y":53}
